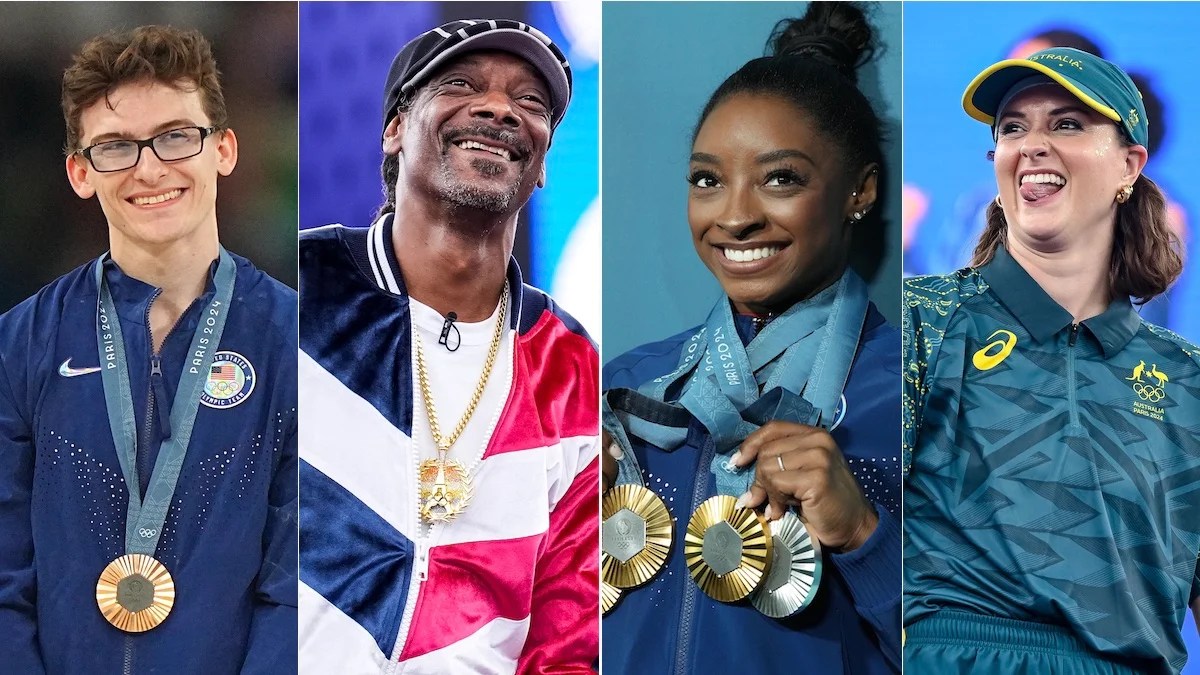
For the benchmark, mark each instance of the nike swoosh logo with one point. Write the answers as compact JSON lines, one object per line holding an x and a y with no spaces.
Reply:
{"x":67,"y":371}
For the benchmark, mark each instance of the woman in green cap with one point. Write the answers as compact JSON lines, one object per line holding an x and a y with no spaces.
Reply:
{"x":1052,"y":497}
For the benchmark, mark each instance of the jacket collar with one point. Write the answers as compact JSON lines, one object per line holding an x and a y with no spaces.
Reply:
{"x":1043,"y":318}
{"x":385,"y":269}
{"x":132,"y":295}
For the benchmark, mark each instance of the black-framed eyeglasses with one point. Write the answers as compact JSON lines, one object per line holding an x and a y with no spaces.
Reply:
{"x":169,"y":146}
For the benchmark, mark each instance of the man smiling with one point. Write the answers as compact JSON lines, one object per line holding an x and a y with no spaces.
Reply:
{"x":449,"y":451}
{"x":147,"y":400}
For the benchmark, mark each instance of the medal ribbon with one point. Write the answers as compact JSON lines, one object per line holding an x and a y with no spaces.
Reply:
{"x":809,"y":347}
{"x":146,"y":516}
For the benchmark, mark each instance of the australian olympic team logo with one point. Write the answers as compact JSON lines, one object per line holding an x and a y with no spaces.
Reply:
{"x":230,"y":381}
{"x":1152,"y":392}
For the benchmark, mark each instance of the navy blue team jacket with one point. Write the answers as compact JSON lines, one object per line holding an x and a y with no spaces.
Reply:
{"x":230,"y":538}
{"x":853,"y":626}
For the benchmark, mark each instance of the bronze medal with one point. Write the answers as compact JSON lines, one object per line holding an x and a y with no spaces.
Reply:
{"x":135,"y":593}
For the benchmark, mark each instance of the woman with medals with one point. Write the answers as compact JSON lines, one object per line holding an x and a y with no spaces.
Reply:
{"x":738,"y":533}
{"x":1052,"y":493}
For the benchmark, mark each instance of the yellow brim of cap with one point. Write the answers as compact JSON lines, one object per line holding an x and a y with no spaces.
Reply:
{"x":969,"y":95}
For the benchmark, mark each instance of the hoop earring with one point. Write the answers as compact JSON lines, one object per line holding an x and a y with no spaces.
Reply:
{"x":998,"y":204}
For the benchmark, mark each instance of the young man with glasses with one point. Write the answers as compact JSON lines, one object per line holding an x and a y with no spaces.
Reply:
{"x":148,"y":400}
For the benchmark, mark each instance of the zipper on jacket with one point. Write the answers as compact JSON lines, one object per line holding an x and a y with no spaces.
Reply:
{"x":423,"y":545}
{"x":127,"y":667}
{"x":420,"y":572}
{"x":143,"y":447}
{"x":683,"y":640}
{"x":156,"y":400}
{"x":157,"y":409}
{"x":1072,"y":402}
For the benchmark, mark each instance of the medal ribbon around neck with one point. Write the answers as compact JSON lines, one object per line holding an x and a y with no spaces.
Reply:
{"x":124,"y":600}
{"x":809,"y":347}
{"x":444,"y":485}
{"x":732,"y":552}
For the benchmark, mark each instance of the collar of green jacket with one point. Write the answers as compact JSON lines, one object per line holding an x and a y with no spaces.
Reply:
{"x":1043,"y":318}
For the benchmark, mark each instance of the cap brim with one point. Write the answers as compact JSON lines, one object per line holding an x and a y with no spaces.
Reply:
{"x":517,"y":42}
{"x":985,"y":92}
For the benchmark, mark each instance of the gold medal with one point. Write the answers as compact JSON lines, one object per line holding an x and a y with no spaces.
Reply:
{"x":609,"y":595}
{"x":444,"y":491}
{"x":727,"y":549}
{"x":636,"y":536}
{"x":795,"y":570}
{"x":135,"y":593}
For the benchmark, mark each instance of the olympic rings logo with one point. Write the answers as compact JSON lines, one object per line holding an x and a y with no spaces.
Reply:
{"x":1149,"y":392}
{"x":147,"y":532}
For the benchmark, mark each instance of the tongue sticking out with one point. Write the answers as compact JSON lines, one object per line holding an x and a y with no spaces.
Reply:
{"x":1031,"y":192}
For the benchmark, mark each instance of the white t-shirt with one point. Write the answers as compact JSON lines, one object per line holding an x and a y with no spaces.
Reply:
{"x":453,"y":376}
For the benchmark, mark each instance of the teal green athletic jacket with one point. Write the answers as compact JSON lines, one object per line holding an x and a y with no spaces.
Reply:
{"x":1053,"y":468}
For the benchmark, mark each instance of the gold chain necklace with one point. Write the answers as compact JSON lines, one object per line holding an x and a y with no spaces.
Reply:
{"x":445,"y":484}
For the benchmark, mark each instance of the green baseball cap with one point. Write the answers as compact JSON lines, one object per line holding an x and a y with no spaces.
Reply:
{"x":1100,"y":85}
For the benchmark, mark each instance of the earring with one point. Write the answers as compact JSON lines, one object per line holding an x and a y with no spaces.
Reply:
{"x":998,"y":204}
{"x":1124,"y":194}
{"x":858,"y":215}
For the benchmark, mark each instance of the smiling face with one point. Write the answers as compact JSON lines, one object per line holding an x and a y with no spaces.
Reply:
{"x":1059,"y":165}
{"x":155,"y":203}
{"x":476,"y":134}
{"x":768,"y":202}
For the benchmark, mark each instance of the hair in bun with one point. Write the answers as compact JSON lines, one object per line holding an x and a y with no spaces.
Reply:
{"x":834,"y":33}
{"x":813,"y":63}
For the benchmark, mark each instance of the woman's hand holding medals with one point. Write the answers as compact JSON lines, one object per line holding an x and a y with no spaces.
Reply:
{"x":802,"y":466}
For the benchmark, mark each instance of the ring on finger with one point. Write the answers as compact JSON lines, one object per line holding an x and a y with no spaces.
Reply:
{"x":779,"y":458}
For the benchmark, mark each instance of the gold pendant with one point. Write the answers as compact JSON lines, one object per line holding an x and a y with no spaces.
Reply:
{"x":135,"y":593}
{"x":445,"y":490}
{"x":728,"y":550}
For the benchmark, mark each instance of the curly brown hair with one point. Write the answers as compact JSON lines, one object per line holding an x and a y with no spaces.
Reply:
{"x":172,"y":56}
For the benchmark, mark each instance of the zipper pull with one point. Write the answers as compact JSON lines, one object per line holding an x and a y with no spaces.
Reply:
{"x":1074,"y":334}
{"x":159,"y":389}
{"x":421,"y":566}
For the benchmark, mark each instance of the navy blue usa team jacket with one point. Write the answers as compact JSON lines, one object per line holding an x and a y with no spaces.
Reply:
{"x":229,"y":541}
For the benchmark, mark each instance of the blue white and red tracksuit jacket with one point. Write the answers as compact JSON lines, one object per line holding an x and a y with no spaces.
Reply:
{"x":510,"y":585}
{"x":229,"y":541}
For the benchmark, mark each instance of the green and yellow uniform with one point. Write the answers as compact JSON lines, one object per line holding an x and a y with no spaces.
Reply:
{"x":1052,"y":499}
